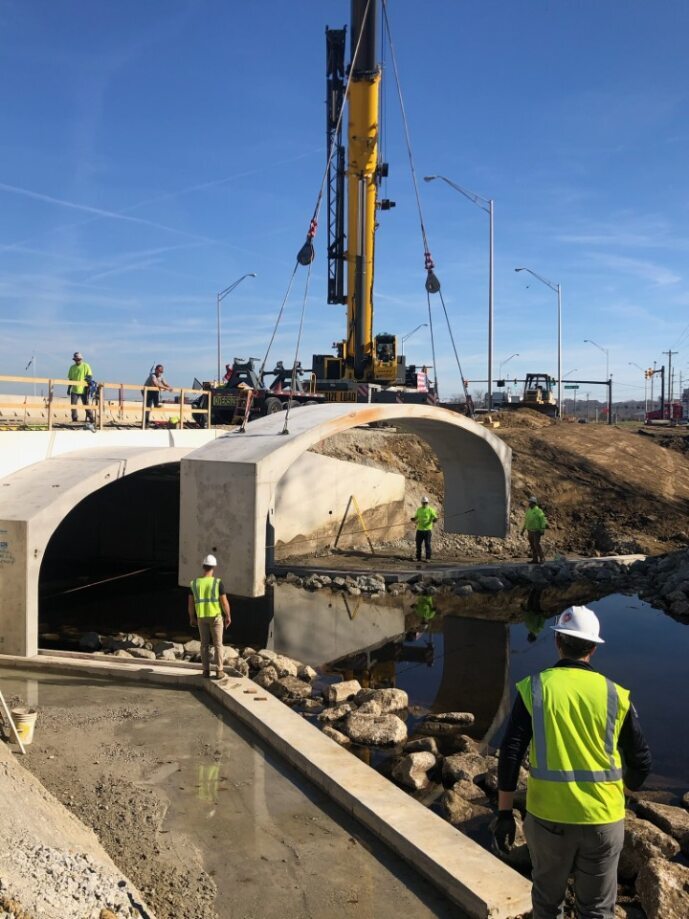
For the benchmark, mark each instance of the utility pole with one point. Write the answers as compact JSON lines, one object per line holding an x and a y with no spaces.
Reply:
{"x":653,"y":405}
{"x":669,"y":377}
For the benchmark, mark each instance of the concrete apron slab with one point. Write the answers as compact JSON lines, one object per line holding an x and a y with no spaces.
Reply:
{"x":466,"y":873}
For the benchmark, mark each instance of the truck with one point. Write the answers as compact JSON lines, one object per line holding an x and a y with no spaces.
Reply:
{"x":249,"y":392}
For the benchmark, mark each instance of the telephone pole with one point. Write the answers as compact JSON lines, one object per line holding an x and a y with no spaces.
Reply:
{"x":669,"y":377}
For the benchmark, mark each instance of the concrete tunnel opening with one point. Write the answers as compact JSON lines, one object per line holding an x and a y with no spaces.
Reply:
{"x":111,"y":564}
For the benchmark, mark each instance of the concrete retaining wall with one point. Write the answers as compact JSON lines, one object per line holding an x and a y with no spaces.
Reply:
{"x":312,"y":497}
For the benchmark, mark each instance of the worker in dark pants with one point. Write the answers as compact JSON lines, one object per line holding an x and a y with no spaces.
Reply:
{"x":535,"y":525}
{"x":586,"y":745}
{"x":424,"y":518}
{"x":78,"y":390}
{"x":209,"y":609}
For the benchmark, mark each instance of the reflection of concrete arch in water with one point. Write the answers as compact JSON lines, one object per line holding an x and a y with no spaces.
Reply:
{"x":317,"y":627}
{"x":475,"y":672}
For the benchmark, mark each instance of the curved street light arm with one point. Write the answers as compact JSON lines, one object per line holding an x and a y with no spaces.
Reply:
{"x":543,"y":280}
{"x":478,"y":200}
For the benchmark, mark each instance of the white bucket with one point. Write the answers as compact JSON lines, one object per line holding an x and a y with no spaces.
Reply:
{"x":25,"y":722}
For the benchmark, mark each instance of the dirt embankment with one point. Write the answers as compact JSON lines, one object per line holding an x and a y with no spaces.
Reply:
{"x":604,"y":489}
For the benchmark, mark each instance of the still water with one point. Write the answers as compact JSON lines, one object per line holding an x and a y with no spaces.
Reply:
{"x":448,"y":655}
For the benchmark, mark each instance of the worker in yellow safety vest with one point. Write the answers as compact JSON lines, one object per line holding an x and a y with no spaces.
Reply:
{"x":586,"y":744}
{"x":209,"y":608}
{"x":535,"y":525}
{"x":424,"y":518}
{"x":78,"y":391}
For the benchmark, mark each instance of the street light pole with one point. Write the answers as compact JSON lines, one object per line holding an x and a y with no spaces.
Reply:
{"x":220,"y":296}
{"x":634,"y":364}
{"x":487,"y":205}
{"x":409,"y":334}
{"x":558,"y":290}
{"x":605,"y":351}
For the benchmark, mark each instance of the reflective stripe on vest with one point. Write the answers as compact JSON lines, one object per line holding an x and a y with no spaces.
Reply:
{"x":613,"y":774}
{"x":206,"y":593}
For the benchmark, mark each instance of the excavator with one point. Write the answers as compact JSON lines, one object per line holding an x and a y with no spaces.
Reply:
{"x":364,"y":365}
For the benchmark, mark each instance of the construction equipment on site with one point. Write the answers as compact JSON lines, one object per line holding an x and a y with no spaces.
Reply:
{"x":538,"y":395}
{"x":245,"y":395}
{"x":354,"y":175}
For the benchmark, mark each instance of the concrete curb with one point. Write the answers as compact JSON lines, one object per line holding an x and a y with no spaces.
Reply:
{"x":466,"y":873}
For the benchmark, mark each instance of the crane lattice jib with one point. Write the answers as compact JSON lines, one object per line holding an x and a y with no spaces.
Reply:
{"x":335,"y":40}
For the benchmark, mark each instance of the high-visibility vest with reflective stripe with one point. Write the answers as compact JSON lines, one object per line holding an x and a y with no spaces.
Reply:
{"x":575,"y":766}
{"x":206,"y":592}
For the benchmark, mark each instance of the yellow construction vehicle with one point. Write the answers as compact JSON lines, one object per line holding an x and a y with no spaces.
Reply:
{"x":354,"y":175}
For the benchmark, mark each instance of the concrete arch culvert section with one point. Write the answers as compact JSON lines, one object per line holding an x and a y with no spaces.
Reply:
{"x":33,"y":503}
{"x":228,"y":487}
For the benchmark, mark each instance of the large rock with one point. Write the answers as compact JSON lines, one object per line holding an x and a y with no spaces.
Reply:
{"x":142,"y":653}
{"x":411,"y":771}
{"x":290,"y":688}
{"x":238,"y":664}
{"x":162,"y":645}
{"x":229,"y":654}
{"x":90,"y":641}
{"x":336,"y":735}
{"x":685,"y":800}
{"x":193,"y":648}
{"x":342,"y":692}
{"x":445,"y":725}
{"x":307,"y":673}
{"x":337,"y":713}
{"x":642,"y":841}
{"x":378,"y":730}
{"x":469,"y":790}
{"x":371,"y":708}
{"x":673,"y":820}
{"x":285,"y":666}
{"x":390,"y":700}
{"x":266,"y":677}
{"x":422,"y":745}
{"x":168,"y":654}
{"x":460,"y":812}
{"x":663,"y":889}
{"x":463,"y":766}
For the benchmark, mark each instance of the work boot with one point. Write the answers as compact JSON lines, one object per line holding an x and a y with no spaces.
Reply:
{"x":206,"y":674}
{"x":220,"y":675}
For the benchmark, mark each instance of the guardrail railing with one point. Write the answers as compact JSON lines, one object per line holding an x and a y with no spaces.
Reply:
{"x":178,"y":412}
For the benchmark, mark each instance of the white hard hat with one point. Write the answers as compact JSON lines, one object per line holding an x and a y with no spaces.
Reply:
{"x":579,"y":622}
{"x":77,"y":356}
{"x":533,"y":499}
{"x":210,"y":561}
{"x":424,"y":500}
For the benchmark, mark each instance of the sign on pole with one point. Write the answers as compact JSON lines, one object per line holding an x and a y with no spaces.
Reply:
{"x":571,"y":386}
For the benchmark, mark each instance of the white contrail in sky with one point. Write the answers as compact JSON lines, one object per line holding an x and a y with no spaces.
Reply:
{"x":95,"y":211}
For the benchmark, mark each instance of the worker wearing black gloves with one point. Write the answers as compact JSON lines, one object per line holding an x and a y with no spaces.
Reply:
{"x":586,"y":744}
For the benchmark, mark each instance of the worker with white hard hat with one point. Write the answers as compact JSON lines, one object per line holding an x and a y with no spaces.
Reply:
{"x":586,"y":744}
{"x":208,"y":608}
{"x":535,"y":524}
{"x":424,"y":518}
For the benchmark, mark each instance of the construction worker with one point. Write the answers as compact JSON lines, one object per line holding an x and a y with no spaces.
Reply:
{"x":208,"y":608}
{"x":586,"y":744}
{"x":535,"y":525}
{"x":78,"y":391}
{"x":424,"y":518}
{"x":155,"y":382}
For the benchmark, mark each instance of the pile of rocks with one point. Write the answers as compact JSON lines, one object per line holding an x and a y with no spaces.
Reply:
{"x":607,"y":573}
{"x":664,"y":582}
{"x":130,"y":644}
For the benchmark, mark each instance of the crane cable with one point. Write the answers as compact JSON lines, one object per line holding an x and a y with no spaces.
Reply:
{"x":432,"y":282}
{"x":307,"y":254}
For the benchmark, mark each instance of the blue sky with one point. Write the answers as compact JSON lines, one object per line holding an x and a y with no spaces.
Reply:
{"x":151,"y":153}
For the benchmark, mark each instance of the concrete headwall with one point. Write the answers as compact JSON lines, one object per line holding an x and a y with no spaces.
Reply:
{"x":312,"y":497}
{"x":242,"y":472}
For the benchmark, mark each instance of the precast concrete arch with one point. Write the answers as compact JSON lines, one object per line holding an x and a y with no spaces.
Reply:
{"x":228,"y":487}
{"x":33,"y":503}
